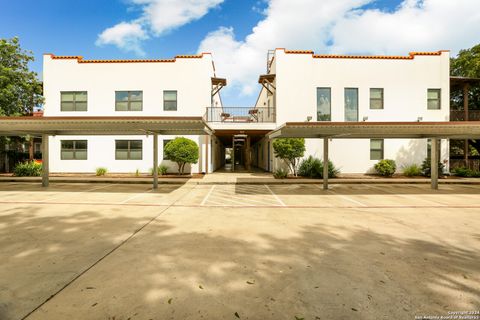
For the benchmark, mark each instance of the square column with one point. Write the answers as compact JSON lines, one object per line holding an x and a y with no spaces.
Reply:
{"x":325,"y":163}
{"x":434,"y":164}
{"x":155,"y":161}
{"x":45,"y":160}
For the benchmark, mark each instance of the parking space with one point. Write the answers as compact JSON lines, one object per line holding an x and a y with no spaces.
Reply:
{"x":119,"y":251}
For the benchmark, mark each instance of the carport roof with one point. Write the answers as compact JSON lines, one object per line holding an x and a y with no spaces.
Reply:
{"x":366,"y":130}
{"x":14,"y":126}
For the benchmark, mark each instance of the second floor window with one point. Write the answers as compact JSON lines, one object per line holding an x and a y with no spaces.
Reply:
{"x":128,"y":100}
{"x":351,"y":104}
{"x":376,"y":98}
{"x":128,"y":149}
{"x":170,"y":100}
{"x":434,"y":99}
{"x":73,"y":101}
{"x":73,"y":150}
{"x":324,"y":104}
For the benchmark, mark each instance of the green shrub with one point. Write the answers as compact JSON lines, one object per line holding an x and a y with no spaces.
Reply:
{"x":28,"y":169}
{"x":385,"y":167}
{"x":313,"y":168}
{"x":412,"y":170}
{"x":427,"y":167}
{"x":289,"y":150}
{"x":466,"y":172}
{"x":101,"y":171}
{"x":163,"y":169}
{"x":182,"y":151}
{"x":280,"y":174}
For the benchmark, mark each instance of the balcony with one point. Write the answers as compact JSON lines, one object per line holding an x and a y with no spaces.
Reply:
{"x":240,"y":115}
{"x":459,"y":115}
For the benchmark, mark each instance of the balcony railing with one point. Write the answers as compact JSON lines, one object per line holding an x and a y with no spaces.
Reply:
{"x":459,"y":115}
{"x":240,"y":114}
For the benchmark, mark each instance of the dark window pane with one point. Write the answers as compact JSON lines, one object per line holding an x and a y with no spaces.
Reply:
{"x":81,"y":144}
{"x":376,"y":155}
{"x":170,"y":100}
{"x":136,"y":154}
{"x":121,"y":144}
{"x":67,"y":144}
{"x":136,"y":144}
{"x":81,"y":96}
{"x":170,"y":105}
{"x":433,"y":99}
{"x":376,"y":98}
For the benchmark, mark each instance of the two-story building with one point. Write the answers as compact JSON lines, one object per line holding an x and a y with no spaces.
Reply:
{"x":303,"y":86}
{"x":73,"y":87}
{"x":299,"y":86}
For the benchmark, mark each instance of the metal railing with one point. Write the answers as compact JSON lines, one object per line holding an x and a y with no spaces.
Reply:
{"x":240,"y":114}
{"x":459,"y":115}
{"x":473,"y":164}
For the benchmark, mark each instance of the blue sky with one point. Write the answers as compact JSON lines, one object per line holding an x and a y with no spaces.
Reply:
{"x":237,"y":32}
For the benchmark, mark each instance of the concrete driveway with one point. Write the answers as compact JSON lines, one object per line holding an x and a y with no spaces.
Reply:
{"x":111,"y":251}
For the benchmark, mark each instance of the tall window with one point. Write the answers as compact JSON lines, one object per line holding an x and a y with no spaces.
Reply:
{"x":376,"y":149}
{"x":434,"y":99}
{"x":165,"y":142}
{"x":351,"y":104}
{"x":128,"y":100}
{"x":376,"y":98}
{"x":73,"y":101}
{"x":128,"y":149}
{"x":73,"y":150}
{"x":324,"y":105}
{"x":170,"y":100}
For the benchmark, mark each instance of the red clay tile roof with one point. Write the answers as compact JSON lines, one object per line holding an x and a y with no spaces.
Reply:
{"x":410,"y":56}
{"x":80,"y":59}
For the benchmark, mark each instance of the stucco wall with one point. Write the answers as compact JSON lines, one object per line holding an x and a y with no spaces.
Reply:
{"x":405,"y":84}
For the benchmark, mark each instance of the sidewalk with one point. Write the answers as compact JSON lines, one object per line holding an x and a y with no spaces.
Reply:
{"x":241,"y":178}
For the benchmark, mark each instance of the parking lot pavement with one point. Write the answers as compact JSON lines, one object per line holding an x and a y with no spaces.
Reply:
{"x":101,"y":251}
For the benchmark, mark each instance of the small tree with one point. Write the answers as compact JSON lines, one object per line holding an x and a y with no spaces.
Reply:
{"x":182,"y":151}
{"x":289,"y":150}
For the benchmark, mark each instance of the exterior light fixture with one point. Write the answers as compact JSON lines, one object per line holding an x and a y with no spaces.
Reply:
{"x":419,"y":119}
{"x":309,"y":118}
{"x":365,"y":118}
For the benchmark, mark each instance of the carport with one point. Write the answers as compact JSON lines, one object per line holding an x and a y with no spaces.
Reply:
{"x":382,"y":130}
{"x":52,"y":126}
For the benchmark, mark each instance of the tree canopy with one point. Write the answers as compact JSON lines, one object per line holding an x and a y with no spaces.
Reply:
{"x":20,"y":90}
{"x":182,"y":151}
{"x":289,"y":150}
{"x":466,"y":64}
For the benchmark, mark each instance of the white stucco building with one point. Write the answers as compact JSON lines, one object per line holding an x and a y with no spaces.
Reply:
{"x":310,"y":87}
{"x":299,"y":86}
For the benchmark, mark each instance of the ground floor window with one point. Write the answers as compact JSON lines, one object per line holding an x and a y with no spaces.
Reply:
{"x":73,"y":150}
{"x":128,"y":149}
{"x":376,"y":149}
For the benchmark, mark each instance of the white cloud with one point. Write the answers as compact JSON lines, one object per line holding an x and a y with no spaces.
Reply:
{"x":341,"y":26}
{"x":124,"y":35}
{"x":157,"y":18}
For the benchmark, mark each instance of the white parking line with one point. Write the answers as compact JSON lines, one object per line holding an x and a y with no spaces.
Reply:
{"x":62,"y":194}
{"x":136,"y":196}
{"x":208,"y":195}
{"x":275,"y":196}
{"x":345,"y":197}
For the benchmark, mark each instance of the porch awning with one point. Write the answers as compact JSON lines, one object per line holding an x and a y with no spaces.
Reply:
{"x":14,"y":126}
{"x":367,"y":130}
